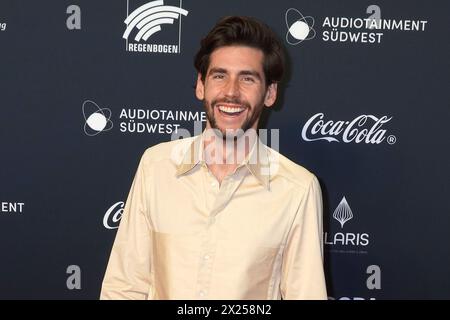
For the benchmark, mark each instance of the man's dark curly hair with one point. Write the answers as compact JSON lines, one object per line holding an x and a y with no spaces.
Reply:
{"x":244,"y":31}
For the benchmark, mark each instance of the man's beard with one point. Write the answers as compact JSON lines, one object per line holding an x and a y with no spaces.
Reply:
{"x":253,"y":115}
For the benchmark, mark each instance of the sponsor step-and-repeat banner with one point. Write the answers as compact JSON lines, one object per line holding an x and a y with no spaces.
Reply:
{"x":87,"y":86}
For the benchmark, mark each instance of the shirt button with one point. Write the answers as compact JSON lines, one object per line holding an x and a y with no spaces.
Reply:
{"x":206,"y":257}
{"x":213,"y":184}
{"x":202,"y":293}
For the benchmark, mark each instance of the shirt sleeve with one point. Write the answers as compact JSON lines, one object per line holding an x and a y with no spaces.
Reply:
{"x":128,"y":274}
{"x":302,"y":268}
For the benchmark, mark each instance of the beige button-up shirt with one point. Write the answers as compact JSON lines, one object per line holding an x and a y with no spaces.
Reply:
{"x":257,"y":235}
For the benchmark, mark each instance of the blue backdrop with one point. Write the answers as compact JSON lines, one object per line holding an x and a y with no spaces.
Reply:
{"x":364,"y":106}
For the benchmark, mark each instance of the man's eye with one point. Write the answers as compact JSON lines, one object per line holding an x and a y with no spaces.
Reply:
{"x":218,"y":76}
{"x":249,"y":79}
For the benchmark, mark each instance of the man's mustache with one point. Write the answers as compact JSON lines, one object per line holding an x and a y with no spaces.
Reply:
{"x":230,"y":101}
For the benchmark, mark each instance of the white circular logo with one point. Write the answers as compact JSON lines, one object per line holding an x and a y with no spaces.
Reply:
{"x":96,"y":119}
{"x":300,"y":28}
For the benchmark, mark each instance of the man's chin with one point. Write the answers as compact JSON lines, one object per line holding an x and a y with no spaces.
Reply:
{"x":232,"y":133}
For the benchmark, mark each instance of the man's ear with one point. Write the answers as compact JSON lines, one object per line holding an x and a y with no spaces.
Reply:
{"x":200,"y":88}
{"x":271,"y":95}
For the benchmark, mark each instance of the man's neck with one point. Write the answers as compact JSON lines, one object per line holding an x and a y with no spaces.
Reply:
{"x":224,"y":155}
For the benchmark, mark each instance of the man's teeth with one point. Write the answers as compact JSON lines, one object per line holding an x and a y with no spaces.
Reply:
{"x":231,"y":109}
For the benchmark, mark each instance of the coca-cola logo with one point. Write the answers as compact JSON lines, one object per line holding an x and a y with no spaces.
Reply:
{"x":365,"y":128}
{"x":112,"y":217}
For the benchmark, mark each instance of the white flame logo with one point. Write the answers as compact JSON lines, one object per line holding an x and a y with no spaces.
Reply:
{"x":343,"y":212}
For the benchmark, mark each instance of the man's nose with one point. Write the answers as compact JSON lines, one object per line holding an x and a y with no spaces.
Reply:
{"x":232,"y":88}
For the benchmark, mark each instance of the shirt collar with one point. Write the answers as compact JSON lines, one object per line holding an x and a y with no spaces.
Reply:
{"x":257,"y":160}
{"x":191,"y":157}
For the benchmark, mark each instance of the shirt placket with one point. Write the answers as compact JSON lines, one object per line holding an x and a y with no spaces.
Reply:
{"x":216,"y":200}
{"x":209,"y":236}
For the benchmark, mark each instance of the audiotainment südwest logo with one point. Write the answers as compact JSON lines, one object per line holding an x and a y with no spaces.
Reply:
{"x":11,"y":207}
{"x":131,"y":120}
{"x":300,"y":28}
{"x":368,"y":29}
{"x":145,"y":22}
{"x":96,"y":119}
{"x":345,"y":242}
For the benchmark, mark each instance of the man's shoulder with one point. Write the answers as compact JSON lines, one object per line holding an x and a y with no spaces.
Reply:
{"x":167,"y":151}
{"x":290,"y":171}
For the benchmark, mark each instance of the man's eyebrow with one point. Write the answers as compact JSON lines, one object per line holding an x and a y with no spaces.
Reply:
{"x":241,"y":73}
{"x":217,"y":70}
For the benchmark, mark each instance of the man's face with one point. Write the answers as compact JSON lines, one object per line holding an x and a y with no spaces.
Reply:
{"x":234,"y":91}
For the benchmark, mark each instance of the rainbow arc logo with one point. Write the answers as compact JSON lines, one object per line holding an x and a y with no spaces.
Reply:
{"x":149,"y":17}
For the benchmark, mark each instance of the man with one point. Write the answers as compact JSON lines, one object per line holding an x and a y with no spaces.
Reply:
{"x":230,"y":218}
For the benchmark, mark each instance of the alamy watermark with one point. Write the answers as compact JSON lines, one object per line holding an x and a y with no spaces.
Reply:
{"x":231,"y":146}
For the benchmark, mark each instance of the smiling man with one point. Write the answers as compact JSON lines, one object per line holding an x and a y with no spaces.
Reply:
{"x":234,"y":88}
{"x":229,"y":218}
